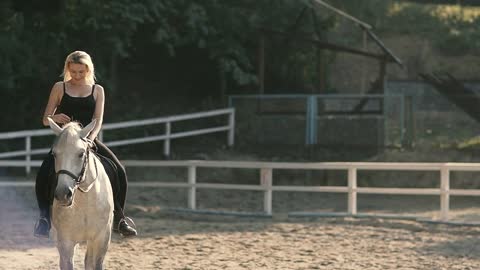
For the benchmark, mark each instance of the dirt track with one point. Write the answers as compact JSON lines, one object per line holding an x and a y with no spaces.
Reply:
{"x":184,"y":241}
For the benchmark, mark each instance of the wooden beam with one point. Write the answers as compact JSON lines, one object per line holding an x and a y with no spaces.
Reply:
{"x":330,"y":46}
{"x":334,"y":47}
{"x":316,"y":25}
{"x":362,"y":25}
{"x":363,"y":82}
{"x":382,"y":76}
{"x":378,"y":86}
{"x":294,"y":28}
{"x":384,"y":48}
{"x":320,"y":71}
{"x":343,"y":14}
{"x":261,"y":64}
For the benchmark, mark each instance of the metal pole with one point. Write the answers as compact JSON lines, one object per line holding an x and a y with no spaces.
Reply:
{"x":192,"y":179}
{"x":266,"y":182}
{"x":28,"y":157}
{"x":402,"y":119}
{"x":313,"y":119}
{"x":352,"y":191}
{"x":409,"y":123}
{"x":166,"y":144}
{"x":309,"y":120}
{"x":231,"y":130}
{"x":444,"y":193}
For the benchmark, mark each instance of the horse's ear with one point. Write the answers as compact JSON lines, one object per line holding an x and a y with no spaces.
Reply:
{"x":86,"y":130}
{"x":56,"y":128}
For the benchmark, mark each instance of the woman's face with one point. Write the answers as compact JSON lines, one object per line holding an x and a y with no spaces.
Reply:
{"x":78,"y":71}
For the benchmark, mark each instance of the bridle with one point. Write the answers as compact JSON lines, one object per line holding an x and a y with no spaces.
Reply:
{"x":80,"y":178}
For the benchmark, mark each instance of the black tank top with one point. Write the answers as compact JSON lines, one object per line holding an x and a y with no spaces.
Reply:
{"x":80,"y":109}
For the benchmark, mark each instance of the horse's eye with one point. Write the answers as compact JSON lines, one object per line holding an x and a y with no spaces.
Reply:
{"x":80,"y":155}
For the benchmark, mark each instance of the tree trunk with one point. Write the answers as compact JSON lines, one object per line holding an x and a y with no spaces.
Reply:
{"x":113,"y":71}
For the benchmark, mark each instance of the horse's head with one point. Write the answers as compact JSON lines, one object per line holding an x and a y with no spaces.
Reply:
{"x":70,"y":150}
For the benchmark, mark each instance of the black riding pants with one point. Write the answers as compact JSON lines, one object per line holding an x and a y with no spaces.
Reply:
{"x":45,"y":182}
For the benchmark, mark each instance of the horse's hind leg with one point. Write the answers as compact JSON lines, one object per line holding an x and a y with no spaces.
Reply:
{"x":66,"y":250}
{"x":96,"y":251}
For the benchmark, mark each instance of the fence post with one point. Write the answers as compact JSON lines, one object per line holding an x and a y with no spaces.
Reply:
{"x":266,"y":182}
{"x":166,"y":144}
{"x":352,"y":191}
{"x":28,"y":156}
{"x":231,"y":130}
{"x":311,"y":121}
{"x":408,"y":125}
{"x":444,"y":193}
{"x":192,"y":179}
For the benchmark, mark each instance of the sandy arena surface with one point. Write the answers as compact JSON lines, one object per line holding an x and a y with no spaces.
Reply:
{"x":172,"y":240}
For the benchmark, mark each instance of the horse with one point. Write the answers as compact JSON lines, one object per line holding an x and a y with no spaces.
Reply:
{"x":82,"y":208}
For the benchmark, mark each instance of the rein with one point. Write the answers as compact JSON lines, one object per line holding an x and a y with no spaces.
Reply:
{"x":80,"y":178}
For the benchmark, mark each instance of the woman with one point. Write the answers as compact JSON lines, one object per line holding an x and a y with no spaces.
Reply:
{"x":79,"y":99}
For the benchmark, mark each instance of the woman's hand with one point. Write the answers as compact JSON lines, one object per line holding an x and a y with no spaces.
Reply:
{"x":60,"y":118}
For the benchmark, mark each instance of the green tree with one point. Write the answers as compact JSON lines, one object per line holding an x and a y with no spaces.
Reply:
{"x":222,"y":35}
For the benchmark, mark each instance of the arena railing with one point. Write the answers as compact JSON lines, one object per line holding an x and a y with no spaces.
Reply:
{"x":267,"y":186}
{"x":168,"y":135}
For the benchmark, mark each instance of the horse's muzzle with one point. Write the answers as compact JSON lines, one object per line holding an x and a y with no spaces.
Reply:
{"x":64,"y":196}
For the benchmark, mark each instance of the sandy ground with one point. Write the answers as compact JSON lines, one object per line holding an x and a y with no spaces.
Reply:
{"x":172,"y":240}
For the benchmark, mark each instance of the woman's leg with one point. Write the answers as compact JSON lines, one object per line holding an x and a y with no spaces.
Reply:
{"x":44,"y":184}
{"x":119,"y":188}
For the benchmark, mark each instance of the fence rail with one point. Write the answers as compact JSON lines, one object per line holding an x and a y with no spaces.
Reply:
{"x":166,"y":137}
{"x":266,"y":183}
{"x":348,"y":111}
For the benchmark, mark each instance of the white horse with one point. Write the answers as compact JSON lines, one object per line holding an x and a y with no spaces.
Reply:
{"x":83,"y":205}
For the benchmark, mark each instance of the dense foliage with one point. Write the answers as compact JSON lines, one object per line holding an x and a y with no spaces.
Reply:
{"x":174,"y":44}
{"x":153,"y":53}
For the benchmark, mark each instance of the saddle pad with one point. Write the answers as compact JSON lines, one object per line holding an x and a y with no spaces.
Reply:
{"x":110,"y":167}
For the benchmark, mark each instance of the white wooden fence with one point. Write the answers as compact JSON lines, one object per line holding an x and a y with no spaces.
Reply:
{"x":266,"y":181}
{"x":167,"y":136}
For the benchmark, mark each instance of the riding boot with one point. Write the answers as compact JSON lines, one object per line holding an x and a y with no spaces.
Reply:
{"x":42,"y":226}
{"x":125,"y":229}
{"x":45,"y":183}
{"x":123,"y":225}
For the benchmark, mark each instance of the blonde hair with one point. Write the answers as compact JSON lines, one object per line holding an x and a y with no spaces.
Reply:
{"x":79,"y":57}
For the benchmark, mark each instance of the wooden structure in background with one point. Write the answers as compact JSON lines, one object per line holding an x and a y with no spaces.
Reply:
{"x":456,"y":92}
{"x":383,"y":58}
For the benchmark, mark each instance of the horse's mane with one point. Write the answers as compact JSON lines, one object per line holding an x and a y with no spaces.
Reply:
{"x":70,"y":129}
{"x":73,"y":124}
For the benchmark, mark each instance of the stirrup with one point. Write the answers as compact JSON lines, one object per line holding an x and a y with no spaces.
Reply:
{"x":128,"y":222}
{"x":42,"y":234}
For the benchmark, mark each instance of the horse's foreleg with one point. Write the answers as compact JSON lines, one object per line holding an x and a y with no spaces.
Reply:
{"x":96,"y":251}
{"x":66,"y":249}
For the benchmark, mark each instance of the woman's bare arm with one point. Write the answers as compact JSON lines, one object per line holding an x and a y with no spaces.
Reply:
{"x":53,"y":101}
{"x":98,"y":114}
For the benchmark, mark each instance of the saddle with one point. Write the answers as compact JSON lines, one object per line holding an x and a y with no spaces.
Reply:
{"x":110,"y":167}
